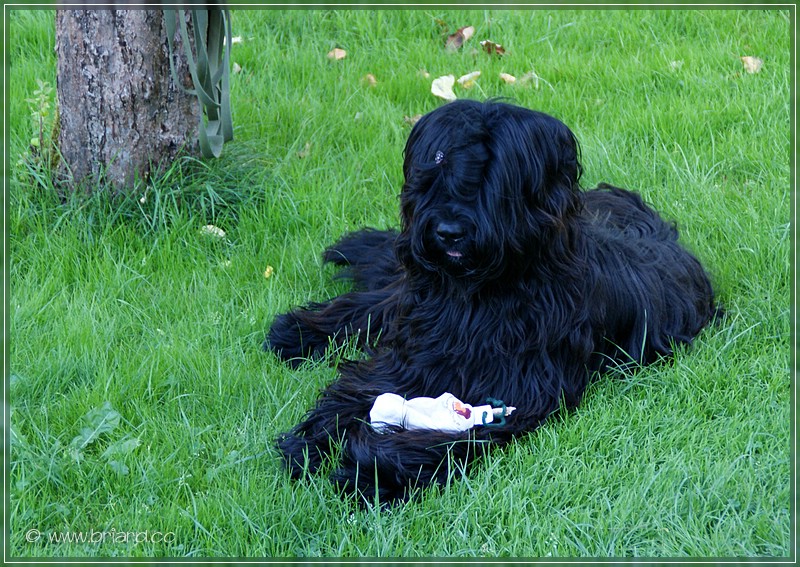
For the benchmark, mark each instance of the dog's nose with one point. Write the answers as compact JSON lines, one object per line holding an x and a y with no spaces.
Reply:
{"x":450,"y":232}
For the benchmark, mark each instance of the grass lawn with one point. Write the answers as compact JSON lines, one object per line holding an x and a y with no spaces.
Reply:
{"x":137,"y":395}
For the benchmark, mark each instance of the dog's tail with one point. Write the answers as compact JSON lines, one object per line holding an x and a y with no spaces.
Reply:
{"x":627,"y":213}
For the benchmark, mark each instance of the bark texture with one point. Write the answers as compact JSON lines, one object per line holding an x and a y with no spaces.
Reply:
{"x":121,"y":116}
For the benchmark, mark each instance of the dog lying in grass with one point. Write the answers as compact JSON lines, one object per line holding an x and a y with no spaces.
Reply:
{"x":505,"y":282}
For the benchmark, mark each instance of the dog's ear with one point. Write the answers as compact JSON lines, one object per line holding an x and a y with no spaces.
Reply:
{"x":547,"y":155}
{"x":562,"y":171}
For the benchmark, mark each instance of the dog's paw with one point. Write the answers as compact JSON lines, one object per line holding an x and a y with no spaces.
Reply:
{"x":362,"y":247}
{"x":290,"y":342}
{"x":299,"y":457}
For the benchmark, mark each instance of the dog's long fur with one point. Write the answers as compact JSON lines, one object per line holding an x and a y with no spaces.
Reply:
{"x":505,"y":281}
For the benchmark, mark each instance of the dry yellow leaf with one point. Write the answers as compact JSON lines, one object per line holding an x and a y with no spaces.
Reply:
{"x":411,"y":120}
{"x":336,"y":54}
{"x":455,"y":41}
{"x":369,"y":80}
{"x":443,"y":87}
{"x":268,"y":272}
{"x":509,"y":79}
{"x":468,"y":80}
{"x":752,"y":64}
{"x":530,"y":78}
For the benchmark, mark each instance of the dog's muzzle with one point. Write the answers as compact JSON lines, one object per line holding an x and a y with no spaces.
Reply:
{"x":451,"y":235}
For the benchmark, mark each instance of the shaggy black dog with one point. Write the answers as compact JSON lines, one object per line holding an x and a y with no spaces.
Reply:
{"x":505,"y":281}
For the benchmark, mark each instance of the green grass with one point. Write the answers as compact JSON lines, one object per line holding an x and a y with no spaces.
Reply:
{"x":139,"y":397}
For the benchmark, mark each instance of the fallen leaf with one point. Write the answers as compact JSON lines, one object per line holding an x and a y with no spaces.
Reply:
{"x":305,"y":152}
{"x":411,"y":120}
{"x":424,"y":74}
{"x":212,"y":230}
{"x":443,"y":87}
{"x":492,"y":48}
{"x":509,"y":79}
{"x":462,"y":35}
{"x":752,"y":64}
{"x":468,"y":80}
{"x":530,"y":77}
{"x":337,"y":54}
{"x":268,"y":272}
{"x":369,"y":80}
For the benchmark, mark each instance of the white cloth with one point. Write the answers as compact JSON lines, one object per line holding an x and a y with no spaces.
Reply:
{"x":445,"y":413}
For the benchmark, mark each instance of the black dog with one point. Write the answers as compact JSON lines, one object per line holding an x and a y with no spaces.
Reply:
{"x":505,"y":281}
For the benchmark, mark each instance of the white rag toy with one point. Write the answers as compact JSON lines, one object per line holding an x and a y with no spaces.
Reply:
{"x":445,"y":413}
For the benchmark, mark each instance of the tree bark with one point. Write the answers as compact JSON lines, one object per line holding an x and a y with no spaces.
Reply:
{"x":121,"y":116}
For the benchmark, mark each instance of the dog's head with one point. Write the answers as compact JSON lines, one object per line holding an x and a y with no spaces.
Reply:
{"x":490,"y":190}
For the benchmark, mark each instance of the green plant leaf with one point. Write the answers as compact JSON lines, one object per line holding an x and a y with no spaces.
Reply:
{"x":122,"y":448}
{"x":99,"y":421}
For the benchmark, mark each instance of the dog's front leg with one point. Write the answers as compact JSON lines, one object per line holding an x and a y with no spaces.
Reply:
{"x":307,"y":332}
{"x":344,"y":403}
{"x":301,"y":334}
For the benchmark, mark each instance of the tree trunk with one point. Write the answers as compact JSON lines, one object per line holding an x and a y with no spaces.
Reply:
{"x":121,"y":116}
